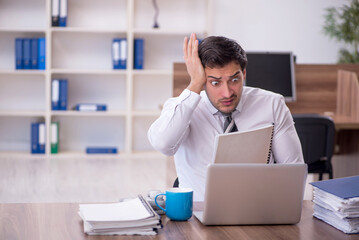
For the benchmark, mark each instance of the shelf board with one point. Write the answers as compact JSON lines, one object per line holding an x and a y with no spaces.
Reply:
{"x":22,"y":113}
{"x":87,"y":30}
{"x":89,"y":71}
{"x":152,"y":72}
{"x":22,"y":154}
{"x":82,"y":154}
{"x":154,"y":31}
{"x":119,"y":155}
{"x":72,"y":113}
{"x":22,"y":72}
{"x":22,"y":29}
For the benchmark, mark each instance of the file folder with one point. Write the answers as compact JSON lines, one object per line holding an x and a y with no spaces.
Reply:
{"x":63,"y":13}
{"x":27,"y":53}
{"x":34,"y":138}
{"x":119,"y":53}
{"x":90,"y":107}
{"x":42,"y":53}
{"x":55,"y":12}
{"x":55,"y":94}
{"x":54,"y":137}
{"x":42,"y":138}
{"x":345,"y":188}
{"x":138,"y":53}
{"x":63,"y":94}
{"x":101,"y":150}
{"x":19,"y":61}
{"x":34,"y":53}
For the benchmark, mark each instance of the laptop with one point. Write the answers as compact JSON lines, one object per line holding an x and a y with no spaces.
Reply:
{"x":253,"y":194}
{"x":252,"y":146}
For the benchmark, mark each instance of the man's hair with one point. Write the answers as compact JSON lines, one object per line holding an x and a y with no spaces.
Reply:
{"x":218,"y":51}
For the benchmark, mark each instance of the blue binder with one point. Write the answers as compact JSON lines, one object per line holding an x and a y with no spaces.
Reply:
{"x":63,"y":13}
{"x":63,"y":94}
{"x":101,"y":150}
{"x":345,"y":188}
{"x":138,"y":53}
{"x":19,"y":61}
{"x":27,"y":53}
{"x":90,"y":107}
{"x":34,"y":53}
{"x":55,"y":94}
{"x":34,"y":137}
{"x":42,"y":53}
{"x":119,"y":53}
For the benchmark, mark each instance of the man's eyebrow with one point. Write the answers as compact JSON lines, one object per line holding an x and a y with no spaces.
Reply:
{"x":219,"y":78}
{"x":235,"y":74}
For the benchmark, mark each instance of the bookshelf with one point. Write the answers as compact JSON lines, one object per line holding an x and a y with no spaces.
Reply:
{"x":81,"y":53}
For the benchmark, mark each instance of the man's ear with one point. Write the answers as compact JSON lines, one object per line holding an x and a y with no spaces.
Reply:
{"x":244,"y":74}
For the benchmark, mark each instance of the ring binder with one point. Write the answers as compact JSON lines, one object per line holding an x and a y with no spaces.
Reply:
{"x":270,"y":145}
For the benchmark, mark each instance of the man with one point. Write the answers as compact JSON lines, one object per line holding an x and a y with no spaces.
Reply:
{"x":189,"y":123}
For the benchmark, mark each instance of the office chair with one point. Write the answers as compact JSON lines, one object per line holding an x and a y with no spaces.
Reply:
{"x":316,"y":134}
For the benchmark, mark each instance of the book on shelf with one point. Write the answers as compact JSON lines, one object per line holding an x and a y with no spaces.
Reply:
{"x":38,"y":138}
{"x":336,"y":202}
{"x":41,"y":53}
{"x":55,"y":12}
{"x":19,"y":60}
{"x":63,"y":13}
{"x":119,"y":53}
{"x":27,"y":53}
{"x":90,"y":107}
{"x":30,"y":53}
{"x":130,"y":217}
{"x":138,"y":53}
{"x":54,"y":137}
{"x":101,"y":150}
{"x":34,"y":53}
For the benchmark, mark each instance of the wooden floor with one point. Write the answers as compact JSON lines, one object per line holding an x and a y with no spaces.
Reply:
{"x":103,"y":180}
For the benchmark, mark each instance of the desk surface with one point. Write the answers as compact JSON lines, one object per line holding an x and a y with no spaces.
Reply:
{"x":61,"y":221}
{"x":344,"y":122}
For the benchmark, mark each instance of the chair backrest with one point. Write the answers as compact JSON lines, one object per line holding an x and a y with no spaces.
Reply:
{"x":316,"y":134}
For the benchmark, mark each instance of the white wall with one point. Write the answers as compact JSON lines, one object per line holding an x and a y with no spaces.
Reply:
{"x":278,"y":25}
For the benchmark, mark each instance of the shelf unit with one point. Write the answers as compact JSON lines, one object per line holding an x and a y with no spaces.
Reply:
{"x":81,"y":53}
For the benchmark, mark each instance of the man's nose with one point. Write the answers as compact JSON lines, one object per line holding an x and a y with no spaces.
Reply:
{"x":226,"y":91}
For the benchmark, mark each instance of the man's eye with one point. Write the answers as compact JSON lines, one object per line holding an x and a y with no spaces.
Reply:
{"x":214,"y":83}
{"x":235,"y":79}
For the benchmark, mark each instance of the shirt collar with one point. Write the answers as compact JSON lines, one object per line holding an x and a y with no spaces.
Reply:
{"x":214,"y":110}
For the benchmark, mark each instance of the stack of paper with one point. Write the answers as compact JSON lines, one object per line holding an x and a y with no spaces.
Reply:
{"x":131,"y":217}
{"x":336,"y":202}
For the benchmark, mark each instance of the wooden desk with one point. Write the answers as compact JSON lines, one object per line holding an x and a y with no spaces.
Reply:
{"x":345,"y":123}
{"x":60,"y":221}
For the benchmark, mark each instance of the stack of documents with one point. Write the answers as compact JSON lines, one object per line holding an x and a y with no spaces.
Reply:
{"x":336,"y":202}
{"x":131,"y":217}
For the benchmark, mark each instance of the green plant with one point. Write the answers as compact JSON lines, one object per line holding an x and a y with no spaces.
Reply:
{"x":342,"y":24}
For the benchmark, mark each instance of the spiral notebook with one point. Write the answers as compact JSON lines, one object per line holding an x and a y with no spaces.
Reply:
{"x":253,"y":146}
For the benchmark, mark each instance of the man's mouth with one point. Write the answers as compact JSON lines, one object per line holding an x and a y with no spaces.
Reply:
{"x":227,"y":102}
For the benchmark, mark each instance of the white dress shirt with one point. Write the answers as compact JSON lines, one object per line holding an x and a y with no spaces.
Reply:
{"x":189,"y":123}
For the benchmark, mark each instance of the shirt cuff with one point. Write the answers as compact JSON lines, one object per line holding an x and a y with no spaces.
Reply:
{"x":190,"y":97}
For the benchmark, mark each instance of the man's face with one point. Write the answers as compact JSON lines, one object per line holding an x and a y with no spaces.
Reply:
{"x":224,"y":86}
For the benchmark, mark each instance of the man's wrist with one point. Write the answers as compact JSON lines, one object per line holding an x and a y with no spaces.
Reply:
{"x":195,"y":87}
